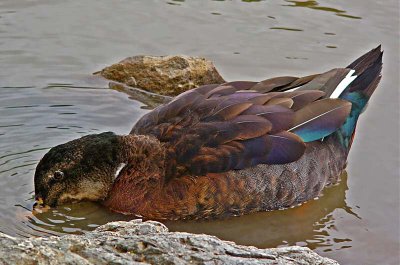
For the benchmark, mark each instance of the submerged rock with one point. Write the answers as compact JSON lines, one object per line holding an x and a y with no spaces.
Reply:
{"x":166,"y":75}
{"x":138,"y":242}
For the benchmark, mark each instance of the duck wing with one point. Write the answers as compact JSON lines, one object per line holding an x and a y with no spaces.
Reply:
{"x":217,"y":128}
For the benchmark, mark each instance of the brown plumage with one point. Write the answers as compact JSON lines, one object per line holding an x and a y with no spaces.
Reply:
{"x":219,"y":150}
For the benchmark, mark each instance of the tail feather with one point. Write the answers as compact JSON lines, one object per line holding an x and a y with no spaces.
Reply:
{"x":368,"y":70}
{"x":365,"y":61}
{"x":369,"y":77}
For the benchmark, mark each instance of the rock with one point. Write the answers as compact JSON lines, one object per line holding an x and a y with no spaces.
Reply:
{"x":166,"y":75}
{"x":138,"y":242}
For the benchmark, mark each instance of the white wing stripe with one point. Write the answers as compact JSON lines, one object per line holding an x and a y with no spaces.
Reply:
{"x":343,"y":84}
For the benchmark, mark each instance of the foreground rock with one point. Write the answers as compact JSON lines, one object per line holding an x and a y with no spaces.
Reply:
{"x":166,"y":75}
{"x":137,"y":242}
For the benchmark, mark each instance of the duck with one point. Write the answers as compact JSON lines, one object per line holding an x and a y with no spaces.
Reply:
{"x":219,"y":150}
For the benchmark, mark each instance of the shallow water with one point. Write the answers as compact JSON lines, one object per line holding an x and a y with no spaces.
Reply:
{"x":49,"y":48}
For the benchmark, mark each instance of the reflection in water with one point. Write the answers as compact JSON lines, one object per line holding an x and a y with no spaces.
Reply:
{"x":315,"y":5}
{"x":285,"y":28}
{"x":177,"y":2}
{"x":308,"y":225}
{"x":295,"y":58}
{"x":173,"y":4}
{"x":149,"y":99}
{"x":19,"y":107}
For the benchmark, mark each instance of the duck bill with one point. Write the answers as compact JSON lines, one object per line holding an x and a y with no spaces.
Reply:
{"x":39,"y":206}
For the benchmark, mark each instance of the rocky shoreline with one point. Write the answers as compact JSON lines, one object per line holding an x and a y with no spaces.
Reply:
{"x":150,"y":242}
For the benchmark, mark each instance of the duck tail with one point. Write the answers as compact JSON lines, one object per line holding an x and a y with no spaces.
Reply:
{"x":358,"y":88}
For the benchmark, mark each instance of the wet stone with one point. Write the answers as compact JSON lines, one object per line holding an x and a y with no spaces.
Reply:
{"x":138,"y":242}
{"x":165,"y":75}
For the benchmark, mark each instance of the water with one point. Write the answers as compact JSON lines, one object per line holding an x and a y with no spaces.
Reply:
{"x":49,"y":48}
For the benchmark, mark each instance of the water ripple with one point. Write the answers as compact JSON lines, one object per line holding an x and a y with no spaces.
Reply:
{"x":22,"y":107}
{"x":20,"y":166}
{"x":286,"y":28}
{"x":26,"y":152}
{"x":315,"y":5}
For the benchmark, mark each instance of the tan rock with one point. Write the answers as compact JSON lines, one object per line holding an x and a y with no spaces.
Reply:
{"x":166,"y":75}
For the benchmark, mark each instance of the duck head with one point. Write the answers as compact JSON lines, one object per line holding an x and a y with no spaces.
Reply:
{"x":82,"y":169}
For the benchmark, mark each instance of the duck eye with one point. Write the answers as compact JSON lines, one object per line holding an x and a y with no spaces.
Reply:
{"x":58,"y":175}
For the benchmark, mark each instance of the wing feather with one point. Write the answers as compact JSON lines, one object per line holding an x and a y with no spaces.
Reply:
{"x":320,"y":118}
{"x":217,"y":128}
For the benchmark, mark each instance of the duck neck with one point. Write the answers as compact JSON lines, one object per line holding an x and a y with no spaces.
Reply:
{"x":142,"y":152}
{"x":143,"y":160}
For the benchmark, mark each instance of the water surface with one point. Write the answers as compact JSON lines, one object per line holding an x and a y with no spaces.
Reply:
{"x":49,"y":48}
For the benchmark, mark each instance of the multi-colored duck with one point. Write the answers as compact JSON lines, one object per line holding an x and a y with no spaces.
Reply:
{"x":220,"y":150}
